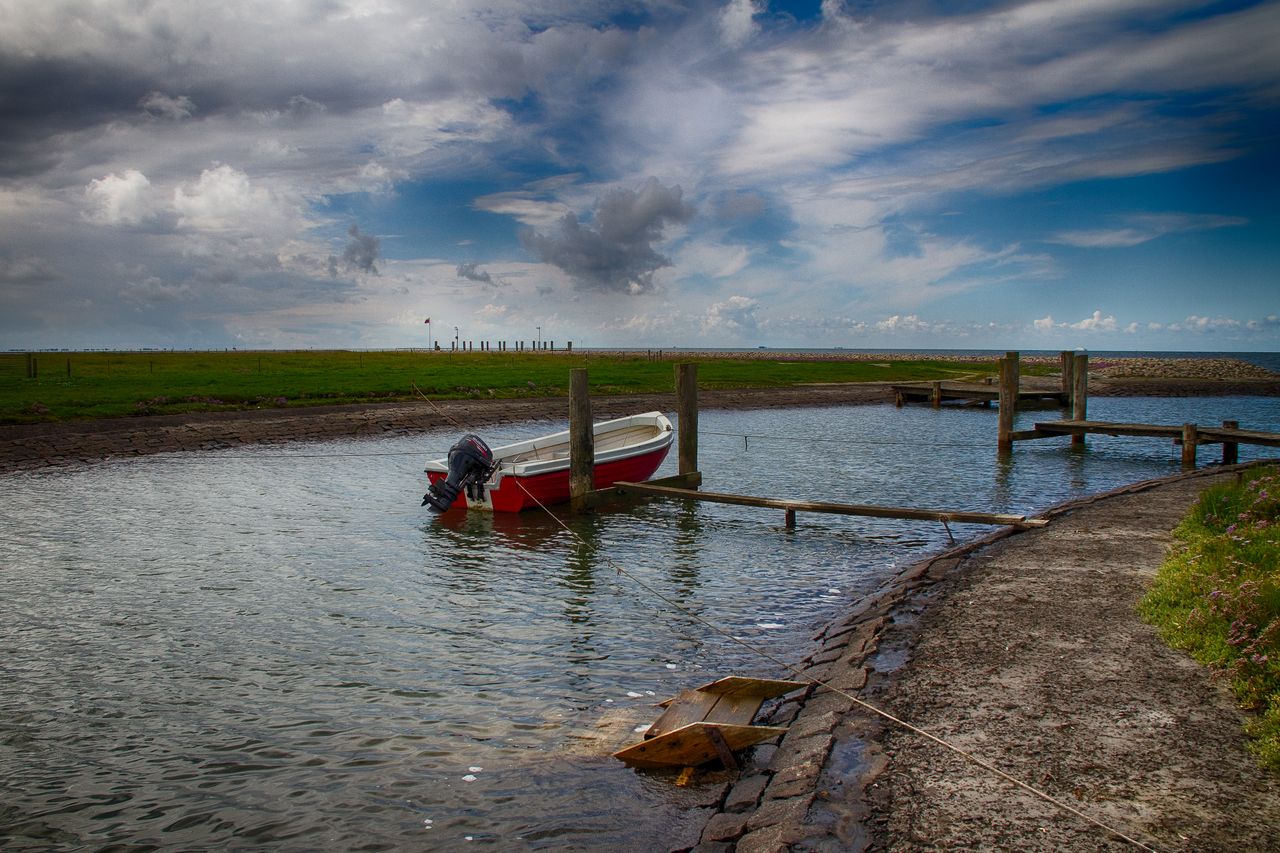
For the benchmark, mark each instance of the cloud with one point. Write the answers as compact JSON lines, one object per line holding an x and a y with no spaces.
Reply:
{"x":222,"y":199}
{"x":25,"y":269}
{"x":472,"y":272}
{"x":737,"y":21}
{"x":1044,"y":324}
{"x":1095,"y":322}
{"x":123,"y":199}
{"x":735,"y":316}
{"x":615,"y":253}
{"x":1145,"y":227}
{"x":362,"y":251}
{"x":167,"y":106}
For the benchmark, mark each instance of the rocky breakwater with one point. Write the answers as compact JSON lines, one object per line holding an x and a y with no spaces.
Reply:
{"x":1181,"y":377}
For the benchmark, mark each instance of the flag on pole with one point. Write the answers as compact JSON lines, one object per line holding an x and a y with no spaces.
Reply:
{"x":427,"y":321}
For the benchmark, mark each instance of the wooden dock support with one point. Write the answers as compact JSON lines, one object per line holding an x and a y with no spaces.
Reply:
{"x":1230,"y":449}
{"x":1079,"y":395}
{"x":935,"y":396}
{"x":1008,"y":402}
{"x":1068,"y":361}
{"x":687,"y":414}
{"x":582,"y":451}
{"x":1190,"y":438}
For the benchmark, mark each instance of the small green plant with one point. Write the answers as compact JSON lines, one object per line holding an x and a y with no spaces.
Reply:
{"x":1218,"y":597}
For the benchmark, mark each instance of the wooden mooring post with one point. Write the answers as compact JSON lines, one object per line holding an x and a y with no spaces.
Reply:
{"x":1008,"y":402}
{"x":1230,"y":449}
{"x":1067,"y":360}
{"x":1079,"y":395}
{"x":1190,"y":438}
{"x":687,"y":411}
{"x":582,"y":450}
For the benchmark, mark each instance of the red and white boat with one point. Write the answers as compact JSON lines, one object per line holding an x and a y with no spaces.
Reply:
{"x":536,"y":471}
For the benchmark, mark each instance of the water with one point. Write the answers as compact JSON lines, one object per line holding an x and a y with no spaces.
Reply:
{"x":279,"y":648}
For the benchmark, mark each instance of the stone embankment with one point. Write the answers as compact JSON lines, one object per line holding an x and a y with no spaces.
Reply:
{"x":1026,"y":650}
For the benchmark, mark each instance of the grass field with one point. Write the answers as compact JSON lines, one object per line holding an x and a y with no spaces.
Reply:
{"x":80,"y":385}
{"x":1218,"y":597}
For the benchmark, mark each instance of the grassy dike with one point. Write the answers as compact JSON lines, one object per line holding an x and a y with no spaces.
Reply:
{"x":76,"y":386}
{"x":1218,"y":597}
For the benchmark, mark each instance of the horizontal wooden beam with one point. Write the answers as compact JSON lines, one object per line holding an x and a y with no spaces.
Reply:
{"x":960,"y":517}
{"x":1205,"y":435}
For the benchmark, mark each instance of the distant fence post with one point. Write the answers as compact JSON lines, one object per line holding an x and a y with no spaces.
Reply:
{"x":31,"y":365}
{"x":1080,"y":396}
{"x":1230,"y":449}
{"x":687,"y":411}
{"x":1008,"y":401}
{"x":582,"y":451}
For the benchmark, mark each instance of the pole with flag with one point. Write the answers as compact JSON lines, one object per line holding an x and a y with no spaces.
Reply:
{"x":428,"y":322}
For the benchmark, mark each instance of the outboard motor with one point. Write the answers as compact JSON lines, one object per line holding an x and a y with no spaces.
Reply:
{"x":470,"y":461}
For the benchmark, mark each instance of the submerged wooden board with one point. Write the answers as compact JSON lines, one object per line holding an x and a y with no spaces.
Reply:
{"x":729,"y":705}
{"x":689,"y":746}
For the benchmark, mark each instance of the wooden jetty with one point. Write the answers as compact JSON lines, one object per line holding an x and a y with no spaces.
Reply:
{"x":1190,"y":436}
{"x":708,"y":722}
{"x":684,"y":485}
{"x":969,"y":393}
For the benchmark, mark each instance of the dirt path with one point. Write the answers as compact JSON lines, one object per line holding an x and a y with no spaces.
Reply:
{"x":1028,"y":652}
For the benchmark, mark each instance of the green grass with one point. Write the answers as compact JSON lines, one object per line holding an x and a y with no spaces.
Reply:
{"x":1218,"y":597}
{"x":73,"y":386}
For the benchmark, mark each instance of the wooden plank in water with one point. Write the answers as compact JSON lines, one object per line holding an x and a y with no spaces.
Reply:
{"x":960,"y":517}
{"x":738,"y":685}
{"x":690,"y":746}
{"x":690,"y":706}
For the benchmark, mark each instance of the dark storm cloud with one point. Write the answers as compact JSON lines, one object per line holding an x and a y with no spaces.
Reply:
{"x":472,"y":272}
{"x":363,"y":251}
{"x":45,"y":97}
{"x":615,"y":252}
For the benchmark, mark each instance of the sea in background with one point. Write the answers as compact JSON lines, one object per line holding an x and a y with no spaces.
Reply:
{"x":1268,"y":360}
{"x":278,"y":648}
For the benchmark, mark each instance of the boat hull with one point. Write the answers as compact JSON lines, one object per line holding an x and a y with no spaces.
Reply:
{"x":524,"y":479}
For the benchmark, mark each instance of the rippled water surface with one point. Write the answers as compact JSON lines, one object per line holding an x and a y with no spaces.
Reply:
{"x":278,"y":647}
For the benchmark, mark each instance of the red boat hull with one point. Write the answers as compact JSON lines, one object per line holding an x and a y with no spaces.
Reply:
{"x":515,"y":493}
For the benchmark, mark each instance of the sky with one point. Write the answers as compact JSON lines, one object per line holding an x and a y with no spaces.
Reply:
{"x":1052,"y":174}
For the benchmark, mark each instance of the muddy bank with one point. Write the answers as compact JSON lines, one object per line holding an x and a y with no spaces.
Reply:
{"x":1026,"y":650}
{"x":36,"y":445}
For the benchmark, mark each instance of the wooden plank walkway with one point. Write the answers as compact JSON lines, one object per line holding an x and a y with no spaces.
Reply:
{"x":793,"y":506}
{"x":968,"y":392}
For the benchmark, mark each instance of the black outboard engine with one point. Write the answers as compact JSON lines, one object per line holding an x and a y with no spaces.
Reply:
{"x":470,"y":461}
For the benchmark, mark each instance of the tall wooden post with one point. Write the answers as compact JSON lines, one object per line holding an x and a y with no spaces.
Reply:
{"x":1067,"y":359}
{"x":687,"y":412}
{"x":1190,"y":438}
{"x":582,"y":446}
{"x":935,"y":395}
{"x":1008,"y":401}
{"x":1080,"y":396}
{"x":1230,"y":449}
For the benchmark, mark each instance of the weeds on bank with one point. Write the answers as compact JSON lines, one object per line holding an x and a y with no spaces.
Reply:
{"x":1218,"y":597}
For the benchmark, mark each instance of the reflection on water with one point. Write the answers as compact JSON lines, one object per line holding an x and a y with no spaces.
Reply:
{"x":268,"y":647}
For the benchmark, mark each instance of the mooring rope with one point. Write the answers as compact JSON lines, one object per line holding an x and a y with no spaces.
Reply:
{"x":817,"y":682}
